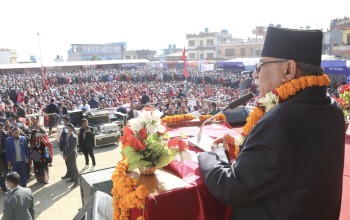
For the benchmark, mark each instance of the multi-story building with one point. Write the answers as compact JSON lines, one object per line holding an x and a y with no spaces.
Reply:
{"x":84,"y":52}
{"x":339,"y":40}
{"x":139,"y":54}
{"x":239,"y":48}
{"x":171,"y":49}
{"x":8,"y":56}
{"x":205,"y":44}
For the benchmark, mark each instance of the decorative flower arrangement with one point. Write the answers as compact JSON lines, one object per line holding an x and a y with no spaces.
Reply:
{"x":144,"y":142}
{"x":344,"y":105}
{"x":271,"y":100}
{"x":144,"y":145}
{"x":177,"y":118}
{"x":127,"y":194}
{"x":344,"y":93}
{"x":219,"y":117}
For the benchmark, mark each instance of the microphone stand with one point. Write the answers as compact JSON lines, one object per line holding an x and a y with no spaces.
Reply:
{"x":199,"y":136}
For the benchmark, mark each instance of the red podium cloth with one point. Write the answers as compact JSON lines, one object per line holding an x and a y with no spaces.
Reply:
{"x":196,"y":203}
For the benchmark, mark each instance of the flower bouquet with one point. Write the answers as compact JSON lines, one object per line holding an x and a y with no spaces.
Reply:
{"x":344,"y":106}
{"x":344,"y":93}
{"x":145,"y":144}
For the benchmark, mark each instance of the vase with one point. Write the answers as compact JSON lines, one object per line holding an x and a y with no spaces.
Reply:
{"x":147,"y":171}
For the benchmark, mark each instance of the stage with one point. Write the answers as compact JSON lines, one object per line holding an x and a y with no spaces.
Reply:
{"x":187,"y":197}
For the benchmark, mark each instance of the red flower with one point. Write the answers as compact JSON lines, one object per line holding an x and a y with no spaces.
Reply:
{"x":138,"y":144}
{"x":177,"y":142}
{"x":129,"y":138}
{"x":127,"y":135}
{"x":142,"y":134}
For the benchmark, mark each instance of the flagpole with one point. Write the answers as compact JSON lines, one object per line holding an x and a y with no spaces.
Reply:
{"x":41,"y":62}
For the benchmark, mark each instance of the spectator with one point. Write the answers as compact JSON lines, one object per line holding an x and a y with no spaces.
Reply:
{"x":145,"y":98}
{"x":84,"y":106}
{"x":70,"y":155}
{"x":20,"y":202}
{"x":52,"y":109}
{"x":93,"y":103}
{"x":87,"y":142}
{"x":17,"y":154}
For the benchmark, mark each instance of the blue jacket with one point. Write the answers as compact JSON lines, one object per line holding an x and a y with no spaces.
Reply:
{"x":11,"y":150}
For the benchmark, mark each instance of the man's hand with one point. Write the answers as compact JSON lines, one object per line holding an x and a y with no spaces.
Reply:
{"x":65,"y":157}
{"x":9,"y":165}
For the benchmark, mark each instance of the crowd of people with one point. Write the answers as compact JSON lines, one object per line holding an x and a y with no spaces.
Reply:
{"x":25,"y":99}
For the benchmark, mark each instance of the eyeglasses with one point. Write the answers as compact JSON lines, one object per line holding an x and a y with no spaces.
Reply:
{"x":259,"y":65}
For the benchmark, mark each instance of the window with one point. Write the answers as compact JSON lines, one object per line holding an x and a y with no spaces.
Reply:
{"x":230,"y":52}
{"x":210,"y":42}
{"x":202,"y":56}
{"x":257,"y":52}
{"x":191,"y":43}
{"x":210,"y":55}
{"x":243,"y":52}
{"x":348,"y":39}
{"x":127,"y":57}
{"x":134,"y":57}
{"x":201,"y":43}
{"x":192,"y":56}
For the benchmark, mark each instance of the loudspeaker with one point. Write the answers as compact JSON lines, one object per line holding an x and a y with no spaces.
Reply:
{"x":97,"y":208}
{"x":99,"y":180}
{"x":106,"y":139}
{"x":237,"y":116}
{"x":75,"y":117}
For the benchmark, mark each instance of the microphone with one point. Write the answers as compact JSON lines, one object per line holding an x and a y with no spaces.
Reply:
{"x":206,"y":143}
{"x":238,"y":102}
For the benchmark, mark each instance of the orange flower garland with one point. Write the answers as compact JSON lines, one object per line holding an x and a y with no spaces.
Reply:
{"x":219,"y":117}
{"x":127,"y":194}
{"x":283,"y":92}
{"x":177,"y":118}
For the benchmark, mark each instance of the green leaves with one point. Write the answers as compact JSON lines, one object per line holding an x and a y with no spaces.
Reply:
{"x":133,"y":156}
{"x":167,"y":156}
{"x":156,"y":154}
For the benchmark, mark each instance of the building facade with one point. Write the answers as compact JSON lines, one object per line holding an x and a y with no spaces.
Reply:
{"x":205,"y":44}
{"x":239,"y":48}
{"x":339,"y":42}
{"x":8,"y":56}
{"x":139,"y":54}
{"x":86,"y":52}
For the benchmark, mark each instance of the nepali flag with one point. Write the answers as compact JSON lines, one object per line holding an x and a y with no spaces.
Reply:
{"x":183,"y":57}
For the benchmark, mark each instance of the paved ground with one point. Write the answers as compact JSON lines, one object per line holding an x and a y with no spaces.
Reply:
{"x":56,"y":201}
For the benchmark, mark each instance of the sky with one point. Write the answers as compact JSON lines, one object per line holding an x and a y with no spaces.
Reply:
{"x":143,"y":24}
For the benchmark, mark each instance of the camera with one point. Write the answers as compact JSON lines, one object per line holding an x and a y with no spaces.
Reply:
{"x":38,"y":135}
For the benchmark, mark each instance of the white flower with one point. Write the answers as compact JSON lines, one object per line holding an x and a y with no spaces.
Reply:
{"x":239,"y":140}
{"x":151,"y":121}
{"x":269,"y":101}
{"x":135,"y":124}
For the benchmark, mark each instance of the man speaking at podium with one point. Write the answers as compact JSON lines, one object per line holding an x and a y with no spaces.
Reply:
{"x":290,"y":164}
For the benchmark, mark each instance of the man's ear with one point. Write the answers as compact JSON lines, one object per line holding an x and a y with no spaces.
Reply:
{"x":290,"y":71}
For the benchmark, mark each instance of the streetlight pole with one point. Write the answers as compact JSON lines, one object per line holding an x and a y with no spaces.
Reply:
{"x":41,"y":61}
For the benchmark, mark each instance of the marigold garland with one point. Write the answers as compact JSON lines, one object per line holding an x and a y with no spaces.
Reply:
{"x":177,"y":118}
{"x":127,"y":194}
{"x":219,"y":117}
{"x":283,"y":92}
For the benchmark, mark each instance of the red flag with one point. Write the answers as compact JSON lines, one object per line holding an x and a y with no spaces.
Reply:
{"x":183,"y":57}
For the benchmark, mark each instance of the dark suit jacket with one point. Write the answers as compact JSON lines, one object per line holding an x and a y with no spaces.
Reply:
{"x":11,"y":150}
{"x":3,"y":142}
{"x":19,"y":205}
{"x":62,"y":141}
{"x":70,"y":149}
{"x":291,"y":164}
{"x":89,"y":141}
